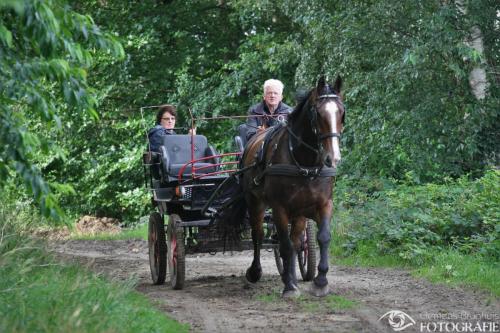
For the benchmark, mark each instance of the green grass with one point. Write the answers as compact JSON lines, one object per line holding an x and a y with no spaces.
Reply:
{"x":41,"y":295}
{"x":448,"y":267}
{"x":140,"y":232}
{"x":270,"y":297}
{"x":336,"y":302}
{"x":310,"y":303}
{"x":329,"y":303}
{"x":451,"y":267}
{"x":365,"y":255}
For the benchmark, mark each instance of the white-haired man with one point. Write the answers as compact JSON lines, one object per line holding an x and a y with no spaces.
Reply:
{"x":264,"y":114}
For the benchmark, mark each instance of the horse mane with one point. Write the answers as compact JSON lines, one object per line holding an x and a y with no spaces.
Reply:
{"x":304,"y":100}
{"x":302,"y":103}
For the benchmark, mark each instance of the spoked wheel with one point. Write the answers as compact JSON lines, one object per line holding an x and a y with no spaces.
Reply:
{"x":307,"y":253}
{"x":157,"y":248}
{"x":176,"y":252}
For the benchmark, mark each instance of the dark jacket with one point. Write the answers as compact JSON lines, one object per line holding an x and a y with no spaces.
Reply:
{"x":261,"y":109}
{"x":155,"y":136}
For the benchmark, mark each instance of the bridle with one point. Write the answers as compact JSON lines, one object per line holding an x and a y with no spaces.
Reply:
{"x":313,"y":118}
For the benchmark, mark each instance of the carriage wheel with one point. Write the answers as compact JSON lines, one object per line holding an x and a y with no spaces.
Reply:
{"x":157,"y":248}
{"x":176,"y":253}
{"x":307,"y":254}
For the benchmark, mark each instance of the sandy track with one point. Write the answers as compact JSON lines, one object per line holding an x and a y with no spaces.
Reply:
{"x":217,"y":298}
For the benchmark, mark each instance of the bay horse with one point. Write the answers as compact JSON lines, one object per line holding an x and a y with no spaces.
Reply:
{"x":293,"y":175}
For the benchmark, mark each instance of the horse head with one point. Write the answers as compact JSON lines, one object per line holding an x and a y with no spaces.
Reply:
{"x":327,"y":116}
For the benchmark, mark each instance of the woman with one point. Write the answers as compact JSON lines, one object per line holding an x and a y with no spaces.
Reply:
{"x":165,"y":123}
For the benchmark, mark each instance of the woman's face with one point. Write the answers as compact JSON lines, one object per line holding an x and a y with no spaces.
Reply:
{"x":167,"y":120}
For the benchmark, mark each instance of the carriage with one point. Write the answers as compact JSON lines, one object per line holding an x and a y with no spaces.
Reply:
{"x":194,"y":190}
{"x":209,"y":201}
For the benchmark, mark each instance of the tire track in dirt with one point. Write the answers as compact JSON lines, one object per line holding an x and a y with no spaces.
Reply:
{"x":217,"y":298}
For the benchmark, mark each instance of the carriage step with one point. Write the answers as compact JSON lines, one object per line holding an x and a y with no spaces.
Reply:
{"x":221,"y":246}
{"x":197,"y":223}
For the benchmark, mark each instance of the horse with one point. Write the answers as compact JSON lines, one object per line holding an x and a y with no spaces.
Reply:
{"x":291,"y":171}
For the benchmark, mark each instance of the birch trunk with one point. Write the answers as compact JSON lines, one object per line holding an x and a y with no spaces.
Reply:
{"x":477,"y":77}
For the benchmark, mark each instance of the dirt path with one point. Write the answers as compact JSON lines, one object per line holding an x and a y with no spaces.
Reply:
{"x":217,"y":298}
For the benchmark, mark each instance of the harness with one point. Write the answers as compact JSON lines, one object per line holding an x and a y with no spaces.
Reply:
{"x":298,"y":170}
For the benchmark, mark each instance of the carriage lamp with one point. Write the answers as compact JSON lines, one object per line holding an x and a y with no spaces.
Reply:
{"x":180,"y":191}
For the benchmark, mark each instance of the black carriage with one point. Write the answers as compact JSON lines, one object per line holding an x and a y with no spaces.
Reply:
{"x":192,"y":189}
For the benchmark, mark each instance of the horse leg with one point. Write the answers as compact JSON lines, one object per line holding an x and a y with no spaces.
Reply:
{"x":287,"y":253}
{"x":320,"y":282}
{"x":256,"y":213}
{"x":298,"y":225}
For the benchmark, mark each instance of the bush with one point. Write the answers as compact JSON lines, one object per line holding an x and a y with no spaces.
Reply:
{"x":411,"y":220}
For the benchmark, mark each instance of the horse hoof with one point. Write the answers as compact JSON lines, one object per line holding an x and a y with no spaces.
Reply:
{"x":294,"y":293}
{"x":253,"y":276}
{"x":319,"y":291}
{"x":320,"y":281}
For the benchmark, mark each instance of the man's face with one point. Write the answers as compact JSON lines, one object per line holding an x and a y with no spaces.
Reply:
{"x":168,"y":120}
{"x":272,"y":96}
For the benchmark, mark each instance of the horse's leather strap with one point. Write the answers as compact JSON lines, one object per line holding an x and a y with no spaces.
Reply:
{"x":292,"y":170}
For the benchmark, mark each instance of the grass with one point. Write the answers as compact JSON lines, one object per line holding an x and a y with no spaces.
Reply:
{"x":309,"y":303}
{"x":139,"y":232}
{"x":270,"y":297}
{"x":365,"y":255}
{"x":40,"y":294}
{"x":451,"y":267}
{"x":329,"y":303}
{"x":447,"y":267}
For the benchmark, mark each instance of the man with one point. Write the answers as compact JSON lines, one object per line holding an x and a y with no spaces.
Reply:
{"x":267,"y":113}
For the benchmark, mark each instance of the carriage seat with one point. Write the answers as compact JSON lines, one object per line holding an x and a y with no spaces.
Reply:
{"x":241,"y":138}
{"x":175,"y":152}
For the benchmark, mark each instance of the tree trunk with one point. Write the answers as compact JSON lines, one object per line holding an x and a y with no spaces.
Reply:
{"x":477,"y":77}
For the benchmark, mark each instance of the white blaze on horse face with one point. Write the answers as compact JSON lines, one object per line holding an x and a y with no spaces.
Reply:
{"x":331,"y":109}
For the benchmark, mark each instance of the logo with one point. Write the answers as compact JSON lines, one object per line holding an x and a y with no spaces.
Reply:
{"x":398,"y":320}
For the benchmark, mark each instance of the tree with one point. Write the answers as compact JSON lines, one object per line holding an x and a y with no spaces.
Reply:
{"x":411,"y":111}
{"x":45,"y":51}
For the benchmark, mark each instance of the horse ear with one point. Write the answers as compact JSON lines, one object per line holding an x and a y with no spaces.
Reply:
{"x":321,"y":84}
{"x":337,"y":86}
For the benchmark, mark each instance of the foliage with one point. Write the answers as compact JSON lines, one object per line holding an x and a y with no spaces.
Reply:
{"x":411,"y":221}
{"x":410,"y":108}
{"x":405,"y":65}
{"x":45,"y":50}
